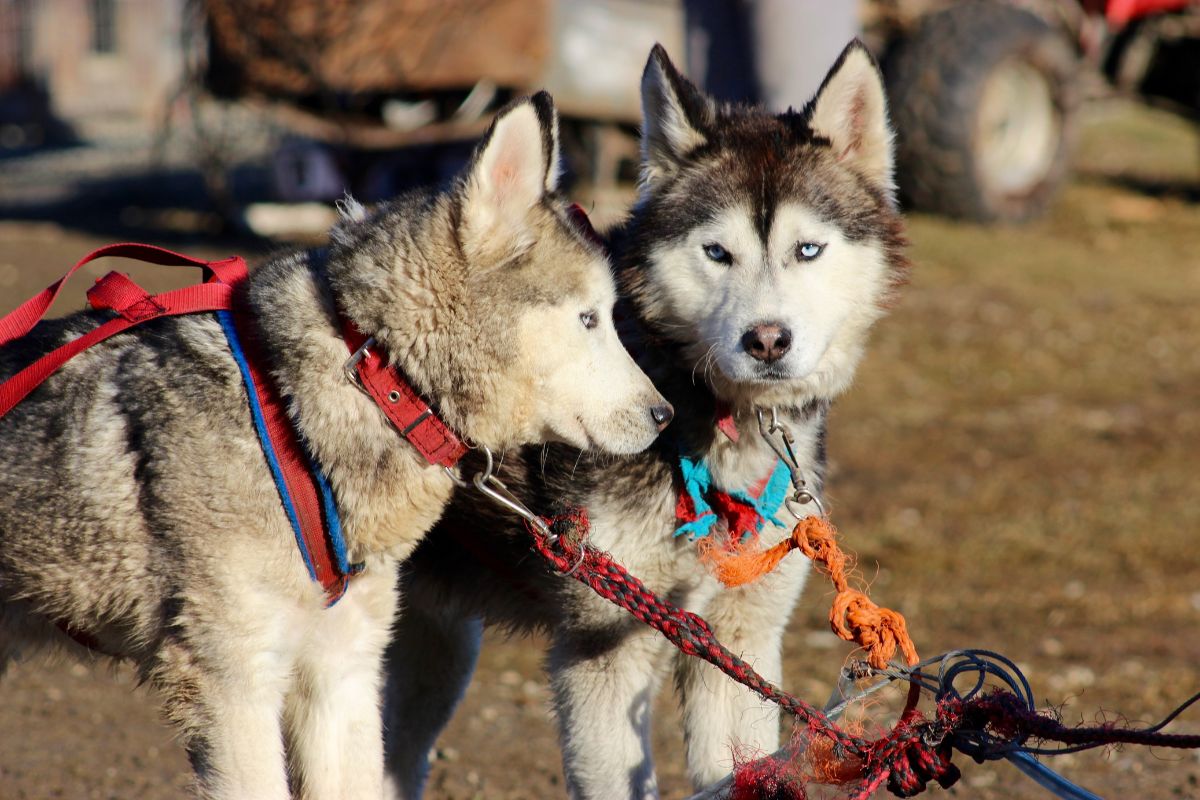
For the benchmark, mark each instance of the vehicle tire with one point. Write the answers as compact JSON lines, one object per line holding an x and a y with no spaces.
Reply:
{"x":984,"y":98}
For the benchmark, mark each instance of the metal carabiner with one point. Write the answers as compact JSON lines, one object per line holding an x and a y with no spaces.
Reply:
{"x":779,"y":439}
{"x":494,"y":489}
{"x":785,"y":451}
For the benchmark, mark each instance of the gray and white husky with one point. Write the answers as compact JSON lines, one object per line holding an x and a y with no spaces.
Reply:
{"x":759,"y":253}
{"x":137,"y":509}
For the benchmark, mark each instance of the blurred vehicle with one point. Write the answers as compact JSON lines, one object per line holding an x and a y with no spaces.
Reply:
{"x":985,"y":93}
{"x":381,"y":92}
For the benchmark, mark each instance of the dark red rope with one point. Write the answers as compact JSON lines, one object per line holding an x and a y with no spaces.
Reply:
{"x":916,"y":751}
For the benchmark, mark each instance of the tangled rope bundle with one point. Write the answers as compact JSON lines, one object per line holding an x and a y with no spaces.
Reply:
{"x":918,"y":749}
{"x":854,"y":617}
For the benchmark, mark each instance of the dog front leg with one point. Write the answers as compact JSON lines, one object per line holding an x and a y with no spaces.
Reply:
{"x":245,"y":743}
{"x":229,"y":715}
{"x":721,"y":716}
{"x":429,"y":664}
{"x":604,"y":686}
{"x":334,"y":723}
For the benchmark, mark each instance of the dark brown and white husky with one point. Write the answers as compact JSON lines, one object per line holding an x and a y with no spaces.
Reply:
{"x":760,"y":251}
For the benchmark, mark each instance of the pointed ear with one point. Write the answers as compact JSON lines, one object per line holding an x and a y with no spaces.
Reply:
{"x":850,"y":110}
{"x":674,"y":116}
{"x":513,"y":168}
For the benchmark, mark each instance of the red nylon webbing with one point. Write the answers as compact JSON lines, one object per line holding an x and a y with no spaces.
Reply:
{"x":21,"y":321}
{"x":403,"y":406}
{"x":189,"y":300}
{"x":118,"y":293}
{"x":293,"y":464}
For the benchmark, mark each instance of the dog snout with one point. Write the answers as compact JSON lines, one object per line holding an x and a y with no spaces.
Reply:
{"x":767,"y":342}
{"x":662,"y":415}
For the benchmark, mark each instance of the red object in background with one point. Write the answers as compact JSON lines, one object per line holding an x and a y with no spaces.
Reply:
{"x":1120,"y":13}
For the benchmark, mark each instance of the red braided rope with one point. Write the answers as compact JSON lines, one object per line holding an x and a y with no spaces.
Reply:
{"x":916,"y":751}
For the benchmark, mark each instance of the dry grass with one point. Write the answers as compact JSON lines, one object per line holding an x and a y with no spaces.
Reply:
{"x":1021,"y":456}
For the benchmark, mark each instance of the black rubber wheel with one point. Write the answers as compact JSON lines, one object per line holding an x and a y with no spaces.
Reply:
{"x":984,"y":99}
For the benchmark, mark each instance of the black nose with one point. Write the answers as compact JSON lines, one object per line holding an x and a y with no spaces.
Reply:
{"x":662,"y":415}
{"x":767,"y":342}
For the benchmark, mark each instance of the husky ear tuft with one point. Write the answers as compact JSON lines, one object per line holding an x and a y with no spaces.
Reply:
{"x":514,"y":167}
{"x":850,"y":110}
{"x":674,"y":116}
{"x":351,"y":214}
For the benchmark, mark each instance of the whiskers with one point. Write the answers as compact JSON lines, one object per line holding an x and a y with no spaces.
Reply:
{"x":705,"y":364}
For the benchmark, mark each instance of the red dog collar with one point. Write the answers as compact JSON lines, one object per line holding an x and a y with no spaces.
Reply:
{"x":399,"y":401}
{"x":412,"y":416}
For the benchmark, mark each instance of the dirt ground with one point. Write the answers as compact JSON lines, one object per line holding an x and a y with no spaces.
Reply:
{"x":1017,"y":467}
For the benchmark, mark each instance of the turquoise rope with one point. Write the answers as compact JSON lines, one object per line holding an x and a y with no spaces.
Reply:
{"x":697,"y":481}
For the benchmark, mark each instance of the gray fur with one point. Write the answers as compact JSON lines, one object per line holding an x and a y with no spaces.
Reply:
{"x":138,"y":509}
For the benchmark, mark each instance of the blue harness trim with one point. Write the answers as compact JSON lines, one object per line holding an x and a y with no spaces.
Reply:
{"x":697,"y":482}
{"x":333,"y":522}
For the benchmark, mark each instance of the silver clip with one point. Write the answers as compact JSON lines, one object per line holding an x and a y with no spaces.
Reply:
{"x":779,"y":438}
{"x":494,"y":489}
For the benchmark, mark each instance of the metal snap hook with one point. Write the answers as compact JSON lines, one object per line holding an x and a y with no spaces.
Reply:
{"x":495,"y":490}
{"x":779,"y":438}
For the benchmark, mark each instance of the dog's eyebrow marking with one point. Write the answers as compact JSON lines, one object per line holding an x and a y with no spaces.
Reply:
{"x":764,"y":216}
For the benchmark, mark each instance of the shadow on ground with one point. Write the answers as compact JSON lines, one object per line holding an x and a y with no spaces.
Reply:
{"x":169,"y":206}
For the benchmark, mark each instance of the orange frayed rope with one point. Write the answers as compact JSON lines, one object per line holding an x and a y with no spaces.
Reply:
{"x":854,"y":617}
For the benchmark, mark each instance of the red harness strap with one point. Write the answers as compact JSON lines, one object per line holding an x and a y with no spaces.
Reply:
{"x":295,"y":471}
{"x":116,"y":292}
{"x":309,"y":503}
{"x":401,"y":403}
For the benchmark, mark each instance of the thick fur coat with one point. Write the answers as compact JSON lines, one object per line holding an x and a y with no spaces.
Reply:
{"x":137,"y":508}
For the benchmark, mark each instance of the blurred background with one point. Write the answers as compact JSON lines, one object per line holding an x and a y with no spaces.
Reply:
{"x":1018,"y":465}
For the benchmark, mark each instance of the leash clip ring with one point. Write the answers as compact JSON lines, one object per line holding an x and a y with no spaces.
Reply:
{"x":494,"y":489}
{"x":803,"y":499}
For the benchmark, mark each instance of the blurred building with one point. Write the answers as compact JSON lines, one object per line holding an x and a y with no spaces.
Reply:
{"x":93,"y":66}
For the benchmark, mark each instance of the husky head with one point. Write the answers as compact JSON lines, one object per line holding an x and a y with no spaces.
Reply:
{"x":495,"y":302}
{"x":766,"y":245}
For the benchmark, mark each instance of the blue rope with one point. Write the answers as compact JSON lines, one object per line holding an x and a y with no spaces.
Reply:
{"x":1048,"y":779}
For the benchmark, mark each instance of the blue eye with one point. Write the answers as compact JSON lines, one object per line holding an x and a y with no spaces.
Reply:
{"x":717,"y":253}
{"x":807,"y":251}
